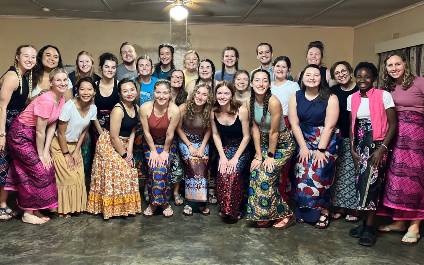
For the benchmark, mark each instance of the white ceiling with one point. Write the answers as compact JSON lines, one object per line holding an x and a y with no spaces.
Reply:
{"x":275,"y":12}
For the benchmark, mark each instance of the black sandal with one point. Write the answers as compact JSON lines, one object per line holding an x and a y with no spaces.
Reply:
{"x":323,"y":224}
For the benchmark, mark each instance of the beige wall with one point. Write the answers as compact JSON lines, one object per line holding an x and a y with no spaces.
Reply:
{"x":406,"y":23}
{"x":72,"y":35}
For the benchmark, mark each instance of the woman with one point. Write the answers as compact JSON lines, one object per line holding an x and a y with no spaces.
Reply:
{"x":191,"y":63}
{"x":48,"y":58}
{"x":84,"y":68}
{"x":194,"y":131}
{"x":15,"y":89}
{"x":166,"y":62}
{"x":178,"y":96}
{"x":230,"y":57}
{"x":114,"y":187}
{"x":274,"y":146}
{"x":404,"y":192}
{"x":65,"y":149}
{"x":373,"y":126}
{"x":343,"y":189}
{"x":313,"y":114}
{"x":242,"y":85}
{"x":206,"y":72}
{"x":145,"y":80}
{"x":314,"y":55}
{"x":159,"y":119}
{"x":28,"y":142}
{"x":230,"y":127}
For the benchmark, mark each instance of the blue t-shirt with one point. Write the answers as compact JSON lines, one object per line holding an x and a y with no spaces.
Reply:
{"x":227,"y":77}
{"x":146,"y":90}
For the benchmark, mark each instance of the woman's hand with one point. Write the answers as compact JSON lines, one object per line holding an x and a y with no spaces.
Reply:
{"x":269,"y":164}
{"x":319,"y":159}
{"x":2,"y":143}
{"x":76,"y":157}
{"x":69,"y":161}
{"x":304,"y":154}
{"x":163,"y":158}
{"x":256,"y":163}
{"x":193,"y":151}
{"x":377,"y":156}
{"x":222,"y":165}
{"x":232,"y":165}
{"x":201,"y":152}
{"x":153,"y":159}
{"x":46,"y":160}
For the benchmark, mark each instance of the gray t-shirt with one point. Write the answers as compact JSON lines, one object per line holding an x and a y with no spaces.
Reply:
{"x":122,"y":72}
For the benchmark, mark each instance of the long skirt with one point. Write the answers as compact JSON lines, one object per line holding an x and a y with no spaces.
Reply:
{"x":312,"y":182}
{"x":369,"y":179}
{"x":265,"y":202}
{"x":196,"y":184}
{"x":230,"y":186}
{"x":114,"y":184}
{"x":344,"y":186}
{"x":404,"y":191}
{"x":70,"y":182}
{"x":177,"y":170}
{"x":87,"y":153}
{"x":139,"y":159}
{"x":4,"y":157}
{"x":35,"y":184}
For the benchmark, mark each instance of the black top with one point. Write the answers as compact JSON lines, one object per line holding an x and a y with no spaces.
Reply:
{"x":128,"y":123}
{"x":233,"y":132}
{"x":343,"y":121}
{"x":73,"y":78}
{"x":18,"y":100}
{"x":106,"y":103}
{"x":323,"y":72}
{"x":310,"y":112}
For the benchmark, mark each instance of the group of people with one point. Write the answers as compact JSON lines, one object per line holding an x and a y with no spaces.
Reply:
{"x":264,"y":145}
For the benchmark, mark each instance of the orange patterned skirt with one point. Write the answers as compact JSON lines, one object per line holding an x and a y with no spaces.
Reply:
{"x":114,"y":187}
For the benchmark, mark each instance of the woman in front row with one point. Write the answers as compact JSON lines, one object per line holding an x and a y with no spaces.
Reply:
{"x":114,"y":187}
{"x":159,"y":119}
{"x":274,"y":146}
{"x":230,"y":127}
{"x":194,"y":131}
{"x":65,"y":149}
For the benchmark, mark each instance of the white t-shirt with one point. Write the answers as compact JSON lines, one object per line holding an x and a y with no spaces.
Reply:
{"x":284,"y":92}
{"x":76,"y":123}
{"x":364,"y":106}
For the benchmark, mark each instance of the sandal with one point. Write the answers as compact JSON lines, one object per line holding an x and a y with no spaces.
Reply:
{"x":4,"y":215}
{"x":337,"y":216}
{"x":168,"y":212}
{"x":323,"y":223}
{"x":351,"y":218}
{"x":41,"y":216}
{"x":149,"y":211}
{"x":262,"y":224}
{"x":391,"y":228}
{"x":178,"y":200}
{"x":32,"y":219}
{"x":287,"y":222}
{"x":188,"y":211}
{"x":205,"y":211}
{"x":410,"y":238}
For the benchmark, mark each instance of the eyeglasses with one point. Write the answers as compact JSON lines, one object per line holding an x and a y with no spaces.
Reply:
{"x":342,"y":72}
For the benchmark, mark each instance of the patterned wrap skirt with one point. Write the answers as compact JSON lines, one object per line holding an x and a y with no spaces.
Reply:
{"x":312,"y":183}
{"x":35,"y":184}
{"x":265,"y":202}
{"x":229,"y":187}
{"x":114,"y":187}
{"x":344,"y":186}
{"x":404,"y":192}
{"x":70,"y":182}
{"x":196,"y":184}
{"x":177,"y":170}
{"x":139,"y":159}
{"x":4,"y":158}
{"x":369,"y":179}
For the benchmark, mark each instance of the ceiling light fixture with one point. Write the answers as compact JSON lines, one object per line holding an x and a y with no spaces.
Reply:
{"x":178,"y":12}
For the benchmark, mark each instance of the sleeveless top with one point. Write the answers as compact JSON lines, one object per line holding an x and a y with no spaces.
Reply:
{"x":18,"y":99}
{"x":310,"y":112}
{"x":158,"y":126}
{"x":322,"y":71}
{"x":230,"y":133}
{"x":194,"y":126}
{"x":106,"y":103}
{"x":128,"y":123}
{"x":266,"y":126}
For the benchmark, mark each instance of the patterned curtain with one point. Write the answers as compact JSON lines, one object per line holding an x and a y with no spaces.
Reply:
{"x":416,"y":61}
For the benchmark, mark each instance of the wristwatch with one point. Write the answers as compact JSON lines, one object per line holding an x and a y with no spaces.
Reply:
{"x":270,"y":154}
{"x":322,"y":150}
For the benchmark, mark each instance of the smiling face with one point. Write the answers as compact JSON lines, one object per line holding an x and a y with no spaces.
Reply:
{"x":128,"y":92}
{"x":162,"y":94}
{"x":59,"y":83}
{"x":128,"y":54}
{"x":311,"y":77}
{"x":27,"y":58}
{"x":191,"y":62}
{"x":144,"y":67}
{"x":342,"y":74}
{"x":109,"y":69}
{"x":241,"y":82}
{"x":395,"y":66}
{"x":229,"y":59}
{"x":314,"y":56}
{"x":223,"y":95}
{"x":201,"y":96}
{"x":260,"y":83}
{"x":264,"y":54}
{"x":50,"y":58}
{"x":281,"y":70}
{"x":205,"y":70}
{"x":364,"y":79}
{"x":84,"y":63}
{"x":177,"y":79}
{"x":86,"y":92}
{"x":165,"y":55}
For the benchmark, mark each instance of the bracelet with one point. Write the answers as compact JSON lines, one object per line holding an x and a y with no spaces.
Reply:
{"x":3,"y":134}
{"x":385,"y":146}
{"x":124,"y":155}
{"x":65,"y":153}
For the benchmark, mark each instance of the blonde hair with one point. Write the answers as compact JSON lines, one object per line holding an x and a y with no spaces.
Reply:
{"x":78,"y":71}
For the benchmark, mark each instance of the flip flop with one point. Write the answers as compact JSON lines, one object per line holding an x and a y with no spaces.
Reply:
{"x":188,"y":211}
{"x":410,"y":238}
{"x":291,"y":221}
{"x":389,"y":228}
{"x":168,"y":212}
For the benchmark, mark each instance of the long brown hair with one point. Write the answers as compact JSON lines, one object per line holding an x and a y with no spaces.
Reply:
{"x":389,"y":82}
{"x":78,"y":71}
{"x":234,"y":104}
{"x":205,"y":114}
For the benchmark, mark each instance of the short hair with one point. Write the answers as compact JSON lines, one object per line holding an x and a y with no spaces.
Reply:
{"x":123,"y":44}
{"x":316,"y":44}
{"x":367,"y":65}
{"x":107,"y":56}
{"x":346,"y":64}
{"x":87,"y":79}
{"x":264,"y":44}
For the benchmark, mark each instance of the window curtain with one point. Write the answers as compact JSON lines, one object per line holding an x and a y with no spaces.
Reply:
{"x":415,"y":55}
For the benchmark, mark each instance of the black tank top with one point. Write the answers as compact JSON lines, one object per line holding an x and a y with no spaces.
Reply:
{"x":128,"y":123}
{"x":18,"y":100}
{"x":230,"y":133}
{"x":106,"y":103}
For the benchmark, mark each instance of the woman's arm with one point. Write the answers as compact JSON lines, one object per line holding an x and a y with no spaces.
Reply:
{"x":145,"y":109}
{"x":378,"y":154}
{"x":180,"y":130}
{"x":9,"y":85}
{"x":49,"y":137}
{"x":275,"y":110}
{"x":116,"y":117}
{"x":175,"y":117}
{"x":297,"y":132}
{"x":331,"y":116}
{"x":61,"y":138}
{"x":256,"y":135}
{"x":205,"y":142}
{"x":216,"y":137}
{"x":98,"y":127}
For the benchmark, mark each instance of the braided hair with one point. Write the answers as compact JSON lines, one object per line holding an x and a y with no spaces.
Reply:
{"x":223,"y":65}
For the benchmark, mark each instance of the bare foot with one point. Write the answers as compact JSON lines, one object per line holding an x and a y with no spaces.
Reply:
{"x":32,"y":219}
{"x":41,"y":216}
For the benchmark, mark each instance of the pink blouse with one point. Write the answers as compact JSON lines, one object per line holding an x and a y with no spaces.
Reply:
{"x":411,"y":99}
{"x":43,"y":106}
